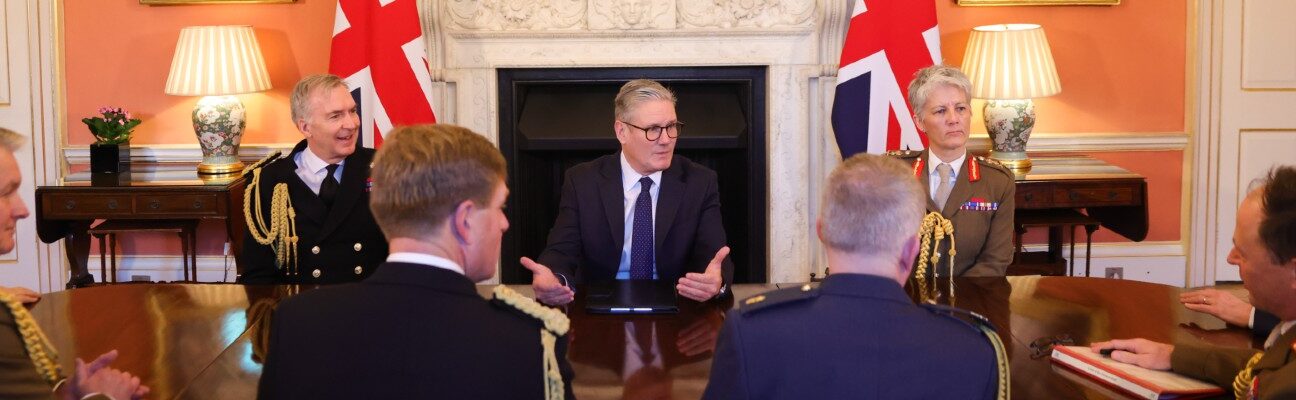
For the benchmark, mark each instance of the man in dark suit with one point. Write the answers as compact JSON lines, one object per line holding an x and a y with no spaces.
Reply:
{"x":858,"y":335}
{"x":643,"y":213}
{"x":325,"y":182}
{"x":417,"y":328}
{"x":1264,"y":249}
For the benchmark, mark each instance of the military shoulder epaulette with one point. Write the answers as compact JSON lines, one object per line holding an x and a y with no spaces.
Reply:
{"x":996,"y":165}
{"x":553,"y":319}
{"x":903,"y":153}
{"x":971,"y":319}
{"x":777,"y":297}
{"x":263,"y":162}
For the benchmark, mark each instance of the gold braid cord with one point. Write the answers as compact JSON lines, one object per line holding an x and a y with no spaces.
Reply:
{"x":555,"y":324}
{"x":40,"y":350}
{"x":934,"y":229}
{"x":1001,"y":361}
{"x":281,"y":235}
{"x":1242,"y":383}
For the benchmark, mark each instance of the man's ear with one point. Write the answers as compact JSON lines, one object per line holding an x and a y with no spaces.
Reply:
{"x":460,"y":223}
{"x":620,"y":128}
{"x":303,"y":127}
{"x":908,"y":253}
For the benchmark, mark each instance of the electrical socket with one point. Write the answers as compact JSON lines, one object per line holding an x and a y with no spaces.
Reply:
{"x":1114,"y":273}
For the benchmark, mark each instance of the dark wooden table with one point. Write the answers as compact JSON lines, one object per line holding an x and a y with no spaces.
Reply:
{"x":1113,"y":196}
{"x":66,"y":211}
{"x":204,"y":341}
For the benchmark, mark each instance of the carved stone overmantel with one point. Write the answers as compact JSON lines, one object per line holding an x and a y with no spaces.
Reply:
{"x":799,"y":40}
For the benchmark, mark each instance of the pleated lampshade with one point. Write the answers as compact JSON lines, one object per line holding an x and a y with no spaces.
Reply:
{"x":1010,"y":61}
{"x":217,"y":60}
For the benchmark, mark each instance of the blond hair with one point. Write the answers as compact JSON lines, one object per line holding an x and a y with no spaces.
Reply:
{"x":307,"y":87}
{"x":928,"y":79}
{"x":639,"y":91}
{"x":10,"y":140}
{"x":871,"y":205}
{"x":422,"y":172}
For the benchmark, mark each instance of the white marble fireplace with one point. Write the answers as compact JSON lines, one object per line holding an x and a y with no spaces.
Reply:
{"x":798,"y":40}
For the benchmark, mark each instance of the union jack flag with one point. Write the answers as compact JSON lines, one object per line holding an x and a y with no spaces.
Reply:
{"x":887,"y":41}
{"x":378,"y":50}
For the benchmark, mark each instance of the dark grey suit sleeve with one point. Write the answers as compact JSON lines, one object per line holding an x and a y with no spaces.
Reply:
{"x":711,"y":234}
{"x":728,"y":376}
{"x":563,"y":251}
{"x":1264,"y":323}
{"x":269,"y":386}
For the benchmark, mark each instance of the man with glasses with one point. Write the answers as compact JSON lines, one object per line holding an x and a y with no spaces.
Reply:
{"x":642,"y":213}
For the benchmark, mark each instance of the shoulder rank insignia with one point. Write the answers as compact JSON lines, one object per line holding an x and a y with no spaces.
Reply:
{"x":777,"y":297}
{"x":994,"y":164}
{"x":555,"y":324}
{"x":263,"y":161}
{"x":903,"y":153}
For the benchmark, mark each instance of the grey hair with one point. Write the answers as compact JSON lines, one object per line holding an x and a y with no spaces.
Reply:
{"x":301,"y":94}
{"x":928,"y":79}
{"x":638,"y":91}
{"x":871,"y":205}
{"x":10,"y":140}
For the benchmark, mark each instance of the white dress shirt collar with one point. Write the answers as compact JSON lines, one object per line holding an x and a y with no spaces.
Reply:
{"x":630,"y":177}
{"x":425,"y":259}
{"x":955,"y":166}
{"x":313,"y":163}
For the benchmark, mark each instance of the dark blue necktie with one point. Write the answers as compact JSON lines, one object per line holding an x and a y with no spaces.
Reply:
{"x":641,"y":239}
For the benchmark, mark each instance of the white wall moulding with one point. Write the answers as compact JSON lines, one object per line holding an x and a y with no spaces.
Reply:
{"x":1095,"y":142}
{"x":1268,"y":64}
{"x":170,"y":154}
{"x":1155,"y":262}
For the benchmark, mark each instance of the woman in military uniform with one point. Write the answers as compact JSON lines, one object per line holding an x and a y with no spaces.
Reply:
{"x":974,"y":192}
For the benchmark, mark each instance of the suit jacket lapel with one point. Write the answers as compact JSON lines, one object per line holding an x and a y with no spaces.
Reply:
{"x":924,"y":177}
{"x":613,"y":198}
{"x":349,"y":192}
{"x":668,"y":202}
{"x":1276,"y":356}
{"x":304,"y":201}
{"x":961,"y":192}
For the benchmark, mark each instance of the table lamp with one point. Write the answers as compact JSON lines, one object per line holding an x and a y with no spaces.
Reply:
{"x":1009,"y":64}
{"x":218,"y":62}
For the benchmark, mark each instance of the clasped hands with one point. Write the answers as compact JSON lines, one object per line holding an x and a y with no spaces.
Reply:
{"x":693,"y":285}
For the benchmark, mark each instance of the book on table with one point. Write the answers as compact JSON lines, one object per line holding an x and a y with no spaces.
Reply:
{"x":1138,"y":381}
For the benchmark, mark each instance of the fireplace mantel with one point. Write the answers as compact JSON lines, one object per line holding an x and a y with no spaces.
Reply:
{"x":798,"y":40}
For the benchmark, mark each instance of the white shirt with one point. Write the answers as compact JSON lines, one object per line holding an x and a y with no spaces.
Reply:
{"x":426,"y":259}
{"x":311,"y":169}
{"x":630,"y":187}
{"x":634,"y":354}
{"x":934,"y":177}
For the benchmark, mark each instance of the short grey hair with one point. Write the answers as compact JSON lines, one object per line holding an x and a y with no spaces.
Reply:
{"x":928,"y":79}
{"x":10,"y":140}
{"x":307,"y":87}
{"x":638,"y":91}
{"x":871,"y":205}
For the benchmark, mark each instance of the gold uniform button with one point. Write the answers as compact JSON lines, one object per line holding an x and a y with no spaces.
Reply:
{"x":315,"y":273}
{"x":315,"y":250}
{"x":358,"y":246}
{"x":359,"y":269}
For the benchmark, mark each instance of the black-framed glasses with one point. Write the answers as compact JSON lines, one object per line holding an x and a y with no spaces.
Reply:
{"x":1043,"y":347}
{"x":653,"y":133}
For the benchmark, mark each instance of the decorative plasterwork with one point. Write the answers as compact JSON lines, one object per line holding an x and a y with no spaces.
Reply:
{"x":631,"y":14}
{"x":745,"y":13}
{"x":498,"y":15}
{"x":575,"y":16}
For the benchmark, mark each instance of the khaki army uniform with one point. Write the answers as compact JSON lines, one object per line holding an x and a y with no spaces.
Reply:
{"x":1272,"y":377}
{"x":981,"y":206}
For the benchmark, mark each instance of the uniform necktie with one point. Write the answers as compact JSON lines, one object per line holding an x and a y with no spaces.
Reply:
{"x":943,"y":191}
{"x":328,"y":189}
{"x":641,"y":243}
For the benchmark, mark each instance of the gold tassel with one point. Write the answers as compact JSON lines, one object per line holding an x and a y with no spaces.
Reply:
{"x":281,"y":234}
{"x":42,"y":353}
{"x":1242,"y":383}
{"x":555,"y":324}
{"x":934,"y":229}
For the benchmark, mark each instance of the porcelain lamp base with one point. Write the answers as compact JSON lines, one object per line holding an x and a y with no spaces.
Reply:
{"x":218,"y":122}
{"x":1009,"y":123}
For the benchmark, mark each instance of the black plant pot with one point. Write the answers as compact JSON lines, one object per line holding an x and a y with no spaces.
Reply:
{"x":109,"y":158}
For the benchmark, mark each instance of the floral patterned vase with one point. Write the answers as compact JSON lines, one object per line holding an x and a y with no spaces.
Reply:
{"x":1009,"y":123}
{"x":218,"y":122}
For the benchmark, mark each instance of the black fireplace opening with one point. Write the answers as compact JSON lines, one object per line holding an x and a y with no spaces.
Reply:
{"x":551,"y":119}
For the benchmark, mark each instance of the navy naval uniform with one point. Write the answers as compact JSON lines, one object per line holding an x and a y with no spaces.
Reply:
{"x":856,"y":336}
{"x":335,"y":245}
{"x":981,"y":206}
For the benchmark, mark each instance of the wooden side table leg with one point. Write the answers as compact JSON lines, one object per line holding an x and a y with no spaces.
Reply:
{"x":76,"y":243}
{"x":1089,"y":230}
{"x":184,"y":254}
{"x":1071,"y":260}
{"x":112,"y":243}
{"x":103,"y":259}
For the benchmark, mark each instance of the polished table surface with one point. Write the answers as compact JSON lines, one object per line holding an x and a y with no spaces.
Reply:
{"x":204,"y":341}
